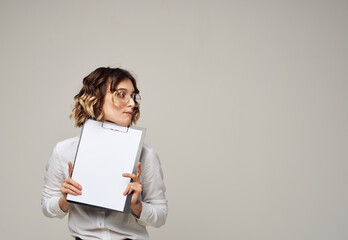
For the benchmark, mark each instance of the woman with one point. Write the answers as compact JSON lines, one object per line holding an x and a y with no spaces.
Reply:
{"x":108,"y":94}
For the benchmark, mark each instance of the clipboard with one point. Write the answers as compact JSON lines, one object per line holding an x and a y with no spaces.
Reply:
{"x":105,"y":151}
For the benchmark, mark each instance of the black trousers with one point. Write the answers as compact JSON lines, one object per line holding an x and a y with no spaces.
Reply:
{"x":81,"y":239}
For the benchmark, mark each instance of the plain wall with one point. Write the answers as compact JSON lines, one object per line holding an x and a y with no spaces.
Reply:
{"x":244,"y":101}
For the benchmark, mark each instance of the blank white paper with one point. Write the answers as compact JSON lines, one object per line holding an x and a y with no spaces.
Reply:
{"x":105,"y":152}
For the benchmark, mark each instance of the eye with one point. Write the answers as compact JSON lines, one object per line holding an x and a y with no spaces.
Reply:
{"x":121,"y":93}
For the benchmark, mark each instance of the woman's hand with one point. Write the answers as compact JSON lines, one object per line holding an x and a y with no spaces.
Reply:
{"x":71,"y":187}
{"x":136,"y":188}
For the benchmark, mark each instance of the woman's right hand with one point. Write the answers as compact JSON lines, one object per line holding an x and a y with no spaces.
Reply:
{"x":71,"y":187}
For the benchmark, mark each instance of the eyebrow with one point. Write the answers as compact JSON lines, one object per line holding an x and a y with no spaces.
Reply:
{"x":124,"y":89}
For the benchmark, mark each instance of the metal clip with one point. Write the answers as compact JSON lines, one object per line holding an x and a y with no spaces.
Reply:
{"x":121,"y":128}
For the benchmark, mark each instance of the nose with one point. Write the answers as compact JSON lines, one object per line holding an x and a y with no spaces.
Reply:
{"x":131,"y":103}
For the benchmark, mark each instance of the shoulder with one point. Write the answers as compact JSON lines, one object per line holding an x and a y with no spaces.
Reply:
{"x":66,"y":149}
{"x":67,"y":143}
{"x":63,"y":152}
{"x":149,"y":158}
{"x":151,"y":169}
{"x":149,"y":154}
{"x":147,"y":150}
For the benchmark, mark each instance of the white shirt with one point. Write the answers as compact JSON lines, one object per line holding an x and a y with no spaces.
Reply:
{"x":95,"y":223}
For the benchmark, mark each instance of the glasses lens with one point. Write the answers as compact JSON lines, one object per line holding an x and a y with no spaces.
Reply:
{"x":137,"y":99}
{"x":121,"y":97}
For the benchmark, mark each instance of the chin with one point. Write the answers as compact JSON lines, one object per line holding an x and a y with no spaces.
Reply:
{"x":123,"y":120}
{"x":121,"y":123}
{"x":124,"y":123}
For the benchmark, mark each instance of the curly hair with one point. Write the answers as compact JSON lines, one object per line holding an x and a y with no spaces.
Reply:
{"x":89,"y":101}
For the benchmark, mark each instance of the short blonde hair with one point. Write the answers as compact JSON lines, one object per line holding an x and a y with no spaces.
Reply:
{"x":89,"y":101}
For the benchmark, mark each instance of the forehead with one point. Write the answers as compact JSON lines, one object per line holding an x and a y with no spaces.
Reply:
{"x":125,"y":84}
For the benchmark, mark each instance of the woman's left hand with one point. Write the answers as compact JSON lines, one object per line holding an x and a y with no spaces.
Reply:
{"x":136,"y":188}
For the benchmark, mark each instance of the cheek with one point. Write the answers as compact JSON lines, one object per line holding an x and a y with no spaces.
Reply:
{"x":108,"y":109}
{"x":112,"y":111}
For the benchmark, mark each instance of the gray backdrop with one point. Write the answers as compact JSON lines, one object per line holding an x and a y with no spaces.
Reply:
{"x":245,"y":102}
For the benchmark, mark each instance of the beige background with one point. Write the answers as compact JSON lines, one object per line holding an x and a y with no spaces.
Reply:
{"x":245,"y":102}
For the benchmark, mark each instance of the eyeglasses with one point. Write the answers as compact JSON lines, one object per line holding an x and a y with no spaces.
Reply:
{"x":122,"y":96}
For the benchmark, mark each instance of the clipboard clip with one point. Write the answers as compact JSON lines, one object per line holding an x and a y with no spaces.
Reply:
{"x":114,"y":127}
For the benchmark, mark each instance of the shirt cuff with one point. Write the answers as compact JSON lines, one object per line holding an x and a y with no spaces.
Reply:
{"x":56,"y":208}
{"x":145,"y":213}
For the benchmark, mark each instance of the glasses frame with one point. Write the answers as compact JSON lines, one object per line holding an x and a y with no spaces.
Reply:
{"x":135,"y":96}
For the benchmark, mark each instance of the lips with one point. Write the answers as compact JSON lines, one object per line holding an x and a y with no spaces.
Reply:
{"x":130,"y":113}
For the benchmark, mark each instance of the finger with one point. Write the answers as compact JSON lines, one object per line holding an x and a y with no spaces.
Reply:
{"x":130,"y":175}
{"x":138,"y":170}
{"x":135,"y":188}
{"x":71,"y":187}
{"x":67,"y":190}
{"x":131,"y":189}
{"x":73,"y":183}
{"x":127,"y":189}
{"x":70,"y":169}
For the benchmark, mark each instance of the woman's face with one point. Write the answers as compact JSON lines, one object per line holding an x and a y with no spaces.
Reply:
{"x":123,"y":113}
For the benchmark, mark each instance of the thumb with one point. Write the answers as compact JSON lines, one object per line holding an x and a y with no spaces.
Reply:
{"x":70,"y":169}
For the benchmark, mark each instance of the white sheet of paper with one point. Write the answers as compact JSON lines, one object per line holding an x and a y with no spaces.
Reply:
{"x":103,"y":155}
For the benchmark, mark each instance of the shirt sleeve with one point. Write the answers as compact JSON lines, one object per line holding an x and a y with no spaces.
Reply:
{"x":51,"y":193}
{"x":154,"y":203}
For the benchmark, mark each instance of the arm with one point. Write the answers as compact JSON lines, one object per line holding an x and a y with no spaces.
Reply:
{"x":51,"y":193}
{"x":134,"y":187}
{"x":152,"y":210}
{"x":154,"y":203}
{"x":57,"y":185}
{"x":71,"y":187}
